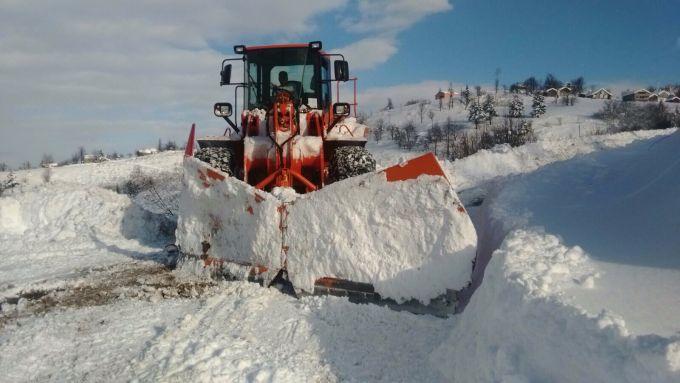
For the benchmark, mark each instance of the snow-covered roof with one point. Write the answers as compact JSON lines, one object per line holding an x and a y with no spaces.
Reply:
{"x":602,"y":90}
{"x":636,"y":91}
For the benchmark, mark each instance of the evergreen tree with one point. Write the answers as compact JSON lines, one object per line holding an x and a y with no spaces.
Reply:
{"x":465,"y":96}
{"x":476,"y":113}
{"x":538,"y":106}
{"x":516,"y":107}
{"x":390,"y":105}
{"x":489,"y":108}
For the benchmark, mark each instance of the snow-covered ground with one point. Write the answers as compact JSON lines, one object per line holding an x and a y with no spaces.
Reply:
{"x":583,"y":284}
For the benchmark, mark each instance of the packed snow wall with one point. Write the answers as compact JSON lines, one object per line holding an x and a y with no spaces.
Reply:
{"x":409,"y":239}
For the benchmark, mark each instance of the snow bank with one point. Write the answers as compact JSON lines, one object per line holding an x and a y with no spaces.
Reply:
{"x":503,"y":160}
{"x":599,"y":303}
{"x":410,"y":239}
{"x":520,"y":326}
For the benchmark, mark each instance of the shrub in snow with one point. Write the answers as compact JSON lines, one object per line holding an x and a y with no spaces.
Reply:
{"x":9,"y":183}
{"x":47,"y":175}
{"x":627,"y":116}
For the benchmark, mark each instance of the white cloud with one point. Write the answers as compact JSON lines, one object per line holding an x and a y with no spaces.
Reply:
{"x":392,"y":16}
{"x":383,"y":20}
{"x":369,"y":52}
{"x":75,"y":72}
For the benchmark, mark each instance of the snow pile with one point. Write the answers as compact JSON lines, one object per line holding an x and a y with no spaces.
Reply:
{"x":410,"y":239}
{"x":521,"y":327}
{"x":50,"y":231}
{"x":238,"y":221}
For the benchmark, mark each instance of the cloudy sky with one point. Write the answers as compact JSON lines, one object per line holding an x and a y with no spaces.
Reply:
{"x":118,"y":75}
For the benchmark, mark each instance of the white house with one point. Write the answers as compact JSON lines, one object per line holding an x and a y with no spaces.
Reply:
{"x":602,"y":94}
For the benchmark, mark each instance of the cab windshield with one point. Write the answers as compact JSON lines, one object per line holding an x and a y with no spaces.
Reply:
{"x":294,"y":70}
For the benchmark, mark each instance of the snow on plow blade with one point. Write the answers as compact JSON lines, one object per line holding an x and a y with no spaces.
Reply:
{"x":399,"y":234}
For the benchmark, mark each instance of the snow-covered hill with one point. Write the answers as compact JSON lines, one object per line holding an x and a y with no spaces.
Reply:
{"x":579,"y":234}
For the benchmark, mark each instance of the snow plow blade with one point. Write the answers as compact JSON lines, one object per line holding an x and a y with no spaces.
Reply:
{"x":399,"y":236}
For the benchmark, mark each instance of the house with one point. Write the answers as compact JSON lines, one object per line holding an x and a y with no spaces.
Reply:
{"x":564,"y":91}
{"x":638,"y":95}
{"x":445,"y":97}
{"x":601,"y":94}
{"x":552,"y":92}
{"x":146,"y":152}
{"x":91,"y":158}
{"x":653,"y":97}
{"x":664,"y":94}
{"x":674,"y":99}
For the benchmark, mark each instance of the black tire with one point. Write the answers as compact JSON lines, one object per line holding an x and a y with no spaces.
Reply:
{"x":218,"y":157}
{"x":350,"y":161}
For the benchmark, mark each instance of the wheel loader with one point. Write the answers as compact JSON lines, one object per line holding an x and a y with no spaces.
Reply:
{"x":289,"y":196}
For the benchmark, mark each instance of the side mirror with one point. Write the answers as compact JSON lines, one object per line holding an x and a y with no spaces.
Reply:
{"x":341,"y":109}
{"x":341,"y":70}
{"x":222,"y":109}
{"x":225,"y":75}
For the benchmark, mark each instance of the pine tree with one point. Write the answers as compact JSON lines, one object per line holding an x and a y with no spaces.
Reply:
{"x":516,"y":107}
{"x":465,"y":96}
{"x":390,"y":105}
{"x":476,"y":113}
{"x":489,"y":108}
{"x":538,"y":106}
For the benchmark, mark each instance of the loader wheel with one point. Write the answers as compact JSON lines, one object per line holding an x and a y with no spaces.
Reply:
{"x":350,"y":161}
{"x":217,"y":157}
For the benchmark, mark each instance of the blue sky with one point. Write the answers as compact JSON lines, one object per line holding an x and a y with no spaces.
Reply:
{"x":119,"y":75}
{"x":605,"y":41}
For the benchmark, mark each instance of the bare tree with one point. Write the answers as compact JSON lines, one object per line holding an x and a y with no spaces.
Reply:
{"x":421,"y":111}
{"x":410,"y":136}
{"x":430,"y":115}
{"x":497,"y":79}
{"x":81,"y":154}
{"x":434,"y":136}
{"x":25,"y":165}
{"x":448,"y":132}
{"x":3,"y":167}
{"x":450,"y":95}
{"x":379,"y":130}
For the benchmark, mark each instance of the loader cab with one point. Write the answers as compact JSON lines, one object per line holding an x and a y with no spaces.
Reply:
{"x":296,"y":68}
